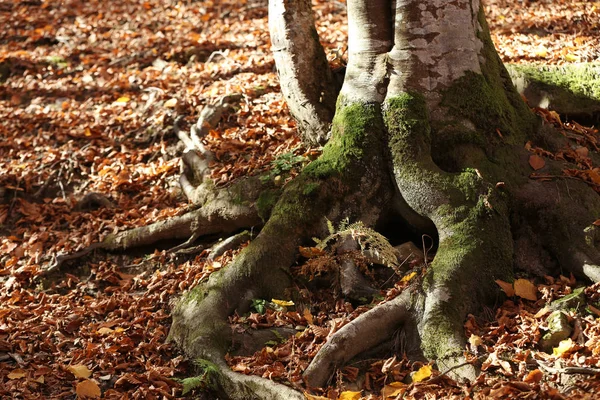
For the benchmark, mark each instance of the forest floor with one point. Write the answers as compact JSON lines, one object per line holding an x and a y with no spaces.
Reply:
{"x":89,"y":92}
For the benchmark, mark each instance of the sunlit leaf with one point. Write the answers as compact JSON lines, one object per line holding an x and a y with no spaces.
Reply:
{"x":475,"y":340}
{"x":171,"y":103}
{"x":525,"y":289}
{"x":408,"y":277}
{"x":348,"y":395}
{"x":571,"y":58}
{"x":423,"y":373}
{"x":314,"y":397}
{"x":80,"y":371}
{"x":541,"y":52}
{"x":282,"y":303}
{"x":88,"y":389}
{"x":563,"y":347}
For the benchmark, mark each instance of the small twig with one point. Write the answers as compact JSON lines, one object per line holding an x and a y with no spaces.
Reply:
{"x":426,"y":250}
{"x":569,"y":370}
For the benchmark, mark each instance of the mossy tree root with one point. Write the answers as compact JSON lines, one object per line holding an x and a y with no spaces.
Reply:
{"x":347,"y":181}
{"x":472,"y":219}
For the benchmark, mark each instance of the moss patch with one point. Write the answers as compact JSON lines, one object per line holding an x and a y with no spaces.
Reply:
{"x":266,"y":201}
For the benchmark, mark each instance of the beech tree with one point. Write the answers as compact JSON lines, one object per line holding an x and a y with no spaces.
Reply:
{"x":427,"y":131}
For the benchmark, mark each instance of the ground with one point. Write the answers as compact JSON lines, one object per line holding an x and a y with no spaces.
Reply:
{"x":87,"y":105}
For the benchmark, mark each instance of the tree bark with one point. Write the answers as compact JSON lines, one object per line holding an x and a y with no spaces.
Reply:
{"x":428,"y":125}
{"x":306,"y":80}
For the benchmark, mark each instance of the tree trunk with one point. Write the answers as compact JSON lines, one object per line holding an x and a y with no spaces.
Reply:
{"x":430,"y":126}
{"x":304,"y":74}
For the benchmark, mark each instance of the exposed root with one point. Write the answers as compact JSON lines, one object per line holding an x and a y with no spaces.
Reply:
{"x":363,"y":333}
{"x":328,"y":188}
{"x":243,"y":387}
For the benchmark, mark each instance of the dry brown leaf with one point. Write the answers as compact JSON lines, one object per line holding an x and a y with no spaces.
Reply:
{"x":88,"y":389}
{"x":17,"y":374}
{"x":80,"y":371}
{"x":314,"y":397}
{"x":525,"y":289}
{"x":310,"y":252}
{"x":536,"y":162}
{"x":393,"y":390}
{"x":506,"y":287}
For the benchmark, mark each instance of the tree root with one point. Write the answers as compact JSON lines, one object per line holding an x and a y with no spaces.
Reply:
{"x":363,"y":333}
{"x":325,"y":189}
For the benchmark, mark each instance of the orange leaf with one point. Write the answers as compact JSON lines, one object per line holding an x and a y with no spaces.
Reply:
{"x":310,"y":252}
{"x":88,"y":389}
{"x":525,"y":289}
{"x":536,"y":162}
{"x":506,"y":287}
{"x":534,"y":376}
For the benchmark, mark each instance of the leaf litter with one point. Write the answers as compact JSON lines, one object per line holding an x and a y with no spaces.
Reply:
{"x":91,"y":91}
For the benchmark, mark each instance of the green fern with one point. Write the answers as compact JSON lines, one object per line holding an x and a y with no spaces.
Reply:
{"x":206,"y":380}
{"x":368,"y":239}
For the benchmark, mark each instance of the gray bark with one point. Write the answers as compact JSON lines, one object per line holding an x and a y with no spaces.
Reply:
{"x":306,"y":80}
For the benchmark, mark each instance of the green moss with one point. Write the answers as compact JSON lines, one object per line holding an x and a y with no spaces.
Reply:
{"x":266,"y":201}
{"x":407,"y":121}
{"x":582,"y":80}
{"x":310,"y":188}
{"x":352,"y":133}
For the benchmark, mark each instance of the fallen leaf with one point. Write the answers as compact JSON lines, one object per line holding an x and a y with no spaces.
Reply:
{"x":348,"y":395}
{"x":506,"y":287}
{"x":310,"y":252}
{"x":171,"y":103}
{"x":282,"y":303}
{"x":525,"y":289}
{"x":307,"y":316}
{"x":17,"y":374}
{"x":40,"y":379}
{"x":475,"y":340}
{"x":536,"y":162}
{"x":423,"y":373}
{"x":571,"y":58}
{"x":88,"y":389}
{"x":563,"y":347}
{"x":408,"y":277}
{"x":104,"y":331}
{"x":541,"y":52}
{"x":313,"y":397}
{"x":393,"y":390}
{"x":534,"y":376}
{"x":80,"y":371}
{"x":596,"y":222}
{"x":123,"y":100}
